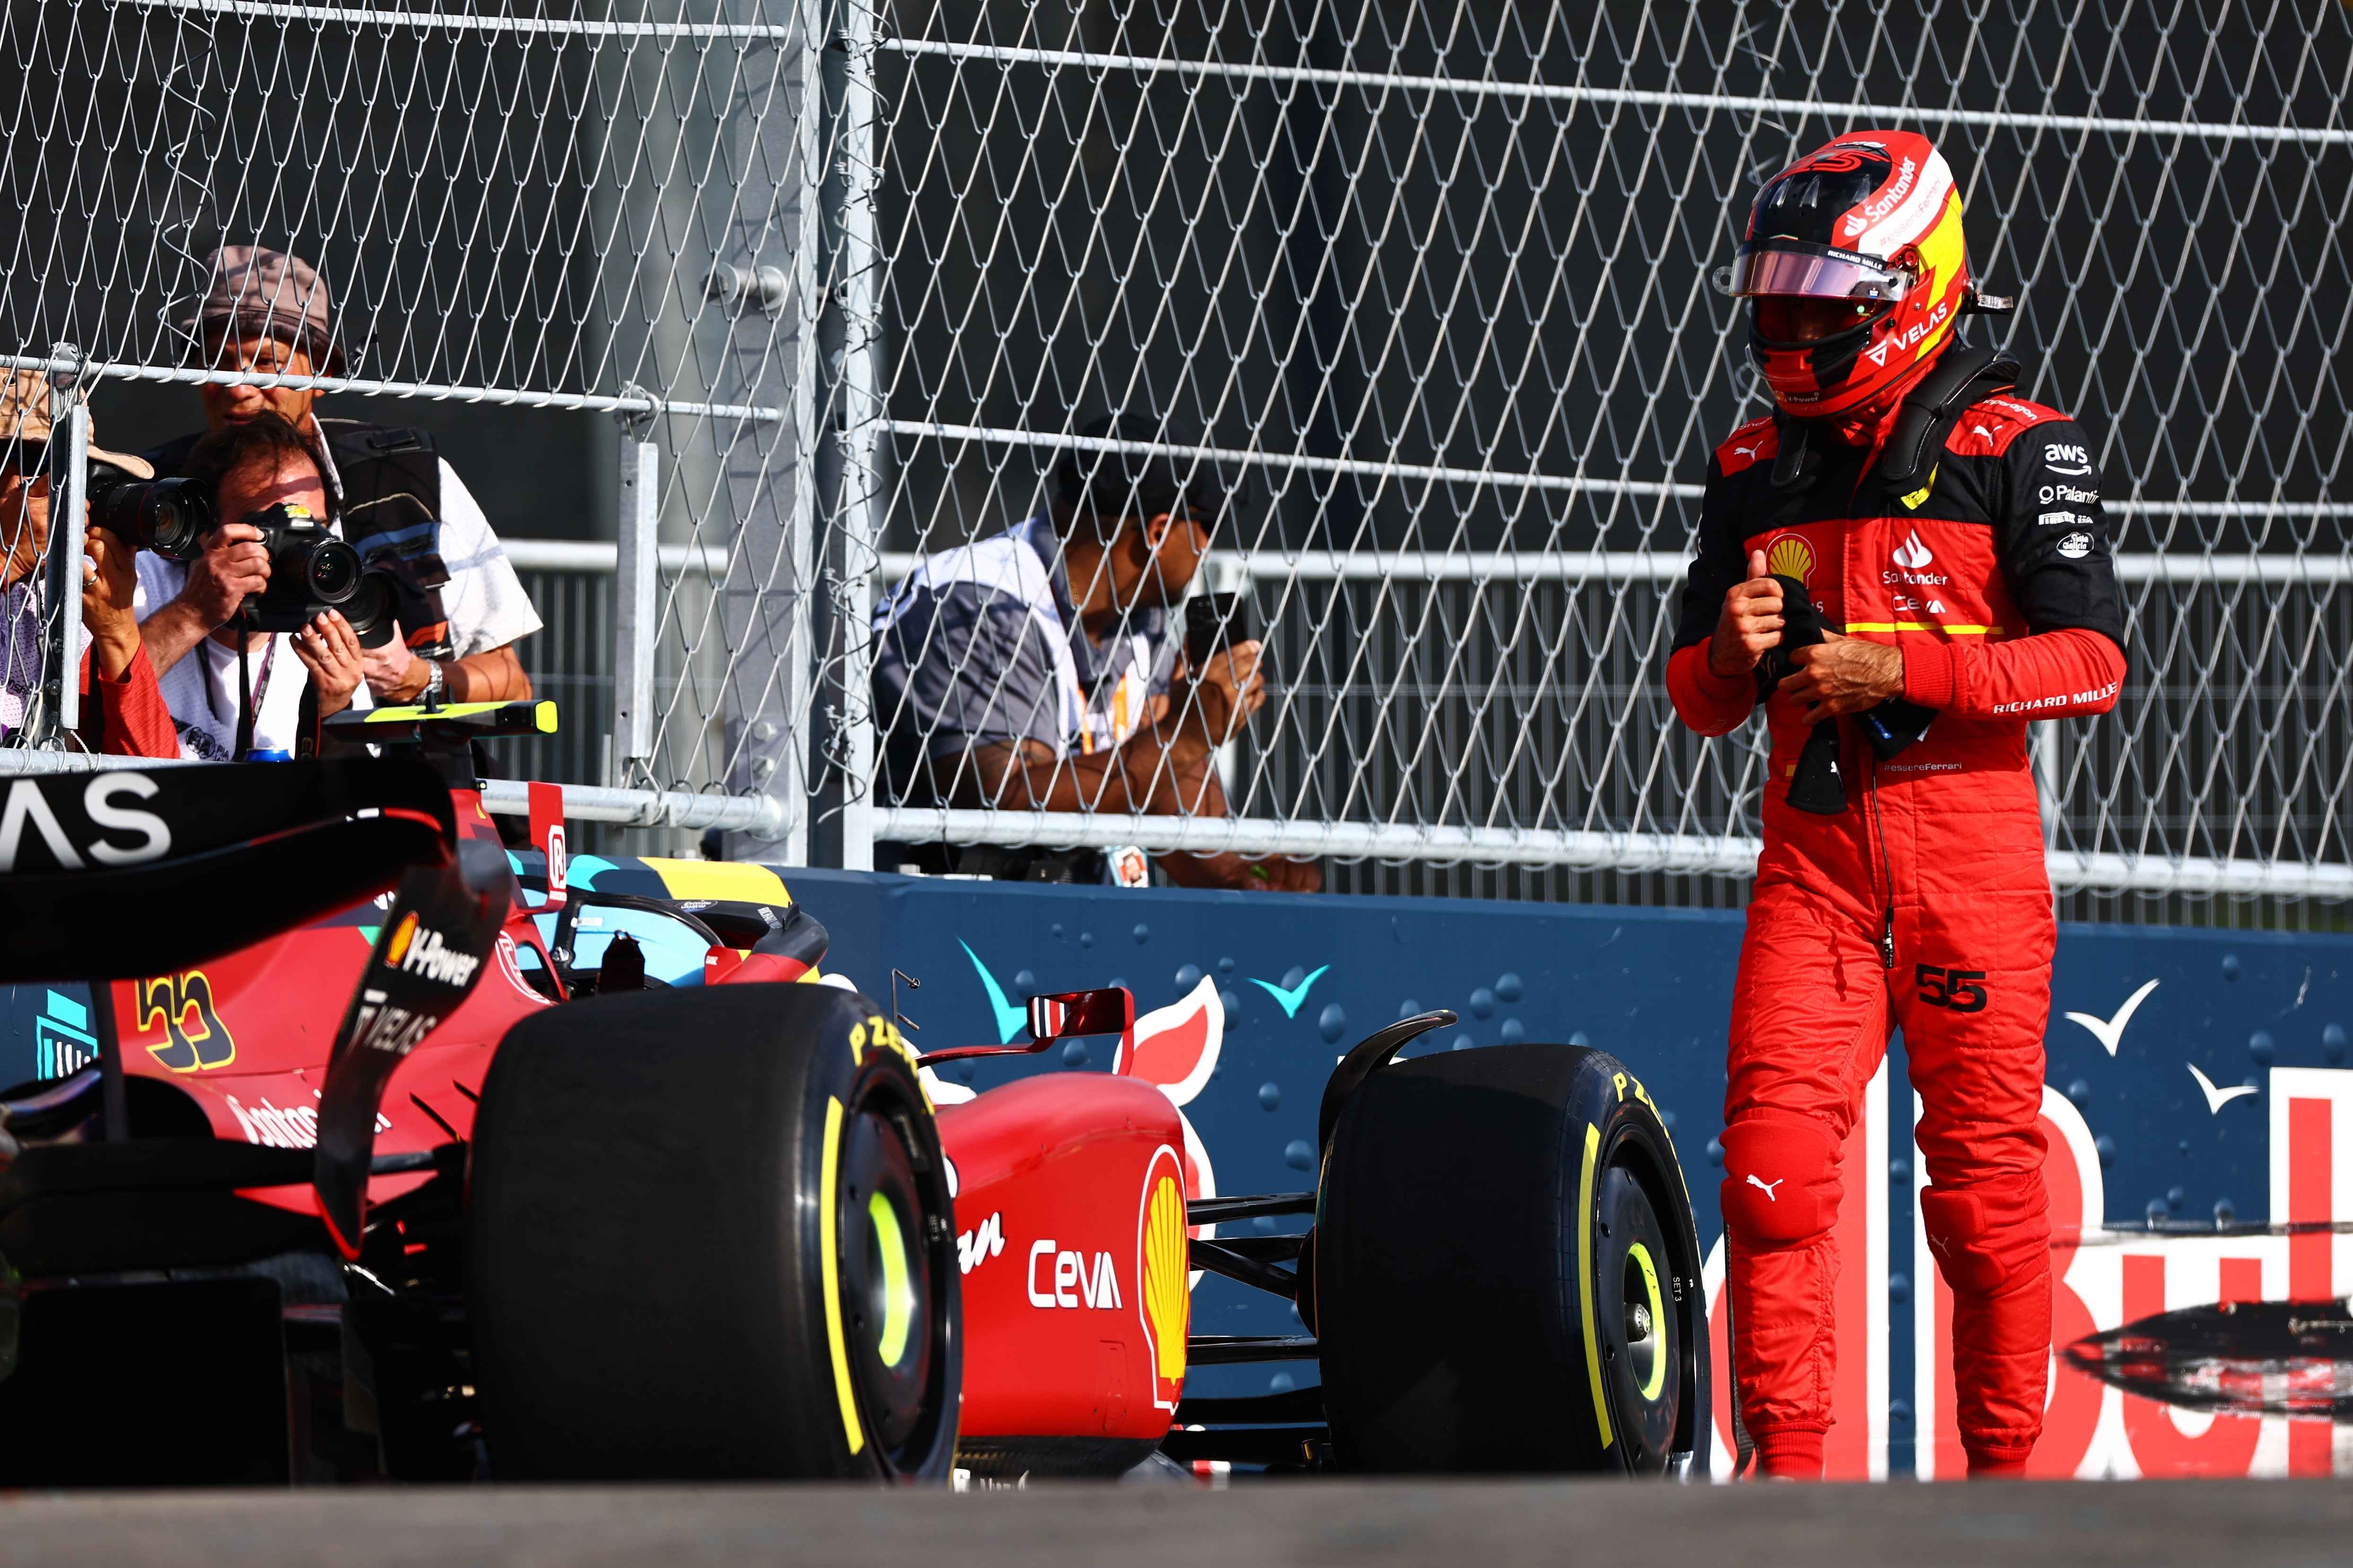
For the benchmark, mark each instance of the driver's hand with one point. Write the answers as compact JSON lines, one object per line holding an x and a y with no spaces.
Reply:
{"x":1230,"y":688}
{"x":1750,"y":625}
{"x":232,"y":565}
{"x":1843,"y":675}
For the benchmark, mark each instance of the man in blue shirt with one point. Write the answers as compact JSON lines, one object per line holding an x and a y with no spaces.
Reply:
{"x":1042,"y":669}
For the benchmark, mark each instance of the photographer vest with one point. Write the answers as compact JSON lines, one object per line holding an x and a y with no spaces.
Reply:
{"x":386,"y":488}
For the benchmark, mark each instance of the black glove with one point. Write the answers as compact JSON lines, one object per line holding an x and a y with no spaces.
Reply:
{"x":1819,"y":786}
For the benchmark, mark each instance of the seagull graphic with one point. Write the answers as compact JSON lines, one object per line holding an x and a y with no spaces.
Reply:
{"x":1012,"y":1018}
{"x":2216,"y":1098}
{"x":2110,"y":1032}
{"x":1291,"y":998}
{"x":1767,"y":1187}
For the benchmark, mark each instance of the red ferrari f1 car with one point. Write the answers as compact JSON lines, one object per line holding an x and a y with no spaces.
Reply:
{"x":397,"y":1156}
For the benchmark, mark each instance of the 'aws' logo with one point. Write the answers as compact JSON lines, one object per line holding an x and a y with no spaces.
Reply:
{"x":181,"y":1006}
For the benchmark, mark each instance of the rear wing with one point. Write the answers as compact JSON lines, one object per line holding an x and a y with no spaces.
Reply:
{"x":132,"y":872}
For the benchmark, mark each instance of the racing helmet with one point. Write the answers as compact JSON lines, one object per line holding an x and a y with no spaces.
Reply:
{"x":1872,"y":218}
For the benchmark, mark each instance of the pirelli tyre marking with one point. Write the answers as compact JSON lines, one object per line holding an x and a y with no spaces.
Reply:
{"x":1584,"y":1281}
{"x":829,"y":1239}
{"x":1657,"y":1379}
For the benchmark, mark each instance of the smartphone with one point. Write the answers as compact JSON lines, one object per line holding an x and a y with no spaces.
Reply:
{"x":1209,"y":624}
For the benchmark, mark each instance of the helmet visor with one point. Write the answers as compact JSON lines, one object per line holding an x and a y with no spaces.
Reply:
{"x":1814,"y":272}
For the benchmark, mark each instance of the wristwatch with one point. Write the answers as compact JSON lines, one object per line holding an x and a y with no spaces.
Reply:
{"x":436,"y":684}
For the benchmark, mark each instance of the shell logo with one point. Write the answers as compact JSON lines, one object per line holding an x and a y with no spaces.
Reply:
{"x":1791,"y":556}
{"x":401,"y":934}
{"x":1167,"y":1296}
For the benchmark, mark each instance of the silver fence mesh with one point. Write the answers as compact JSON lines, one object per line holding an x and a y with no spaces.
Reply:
{"x":1432,"y":282}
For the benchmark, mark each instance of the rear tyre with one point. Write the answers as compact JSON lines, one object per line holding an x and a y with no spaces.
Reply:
{"x":709,"y":1237}
{"x":1507,"y":1276}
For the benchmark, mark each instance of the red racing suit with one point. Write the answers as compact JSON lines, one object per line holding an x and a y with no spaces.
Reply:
{"x":1926,"y":905}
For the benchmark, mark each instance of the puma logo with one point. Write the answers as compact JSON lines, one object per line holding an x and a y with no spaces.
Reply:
{"x":1745,"y":451}
{"x":1765,"y":1187}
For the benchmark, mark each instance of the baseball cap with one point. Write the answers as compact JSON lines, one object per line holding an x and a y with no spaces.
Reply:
{"x":25,"y":417}
{"x":1140,"y":484}
{"x":264,"y":293}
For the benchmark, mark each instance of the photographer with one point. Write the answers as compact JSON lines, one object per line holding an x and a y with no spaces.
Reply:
{"x":239,"y":692}
{"x":1039,"y":669}
{"x":123,"y":713}
{"x":461,"y":606}
{"x":1901,"y":566}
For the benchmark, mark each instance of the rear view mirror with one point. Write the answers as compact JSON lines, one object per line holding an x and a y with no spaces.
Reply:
{"x":1063,"y":1016}
{"x":1066,"y":1014}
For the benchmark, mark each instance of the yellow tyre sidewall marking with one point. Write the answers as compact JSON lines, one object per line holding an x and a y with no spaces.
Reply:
{"x":1584,"y":1279}
{"x":831,"y":1238}
{"x":1658,"y":1378}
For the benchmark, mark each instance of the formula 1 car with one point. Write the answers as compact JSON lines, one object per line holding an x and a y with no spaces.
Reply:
{"x":395,"y":1155}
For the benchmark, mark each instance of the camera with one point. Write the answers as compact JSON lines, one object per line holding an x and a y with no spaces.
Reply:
{"x":170,"y":517}
{"x":311,"y":571}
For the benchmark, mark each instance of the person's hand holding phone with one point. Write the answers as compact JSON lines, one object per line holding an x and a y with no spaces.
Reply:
{"x":1227,"y":689}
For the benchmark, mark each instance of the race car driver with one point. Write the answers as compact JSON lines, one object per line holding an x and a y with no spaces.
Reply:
{"x":1949,"y":538}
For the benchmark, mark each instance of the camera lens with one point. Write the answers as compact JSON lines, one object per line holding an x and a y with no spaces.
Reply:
{"x":370,"y":609}
{"x":170,"y":517}
{"x":176,"y":522}
{"x":335,"y":573}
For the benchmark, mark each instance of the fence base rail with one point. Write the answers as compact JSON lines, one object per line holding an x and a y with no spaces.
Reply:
{"x":764,"y":816}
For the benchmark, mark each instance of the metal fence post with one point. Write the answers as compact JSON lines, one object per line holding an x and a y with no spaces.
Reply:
{"x":849,"y":191}
{"x":69,"y":474}
{"x":635,"y":613}
{"x":2042,"y":750}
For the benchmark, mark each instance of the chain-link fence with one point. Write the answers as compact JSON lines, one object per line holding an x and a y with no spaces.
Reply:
{"x":1433,"y":282}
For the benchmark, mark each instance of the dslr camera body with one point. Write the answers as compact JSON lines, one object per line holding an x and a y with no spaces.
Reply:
{"x":312,"y":572}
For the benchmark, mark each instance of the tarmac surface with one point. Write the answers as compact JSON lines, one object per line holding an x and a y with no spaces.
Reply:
{"x":1460,"y":1524}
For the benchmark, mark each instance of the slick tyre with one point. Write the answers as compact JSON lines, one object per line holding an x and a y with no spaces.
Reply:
{"x":709,"y":1237}
{"x":1507,"y":1276}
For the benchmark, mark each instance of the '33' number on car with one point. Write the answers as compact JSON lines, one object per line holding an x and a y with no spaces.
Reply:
{"x":1962,"y":990}
{"x":194,"y":1035}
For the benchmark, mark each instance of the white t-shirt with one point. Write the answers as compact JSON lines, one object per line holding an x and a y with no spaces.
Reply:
{"x":204,"y":696}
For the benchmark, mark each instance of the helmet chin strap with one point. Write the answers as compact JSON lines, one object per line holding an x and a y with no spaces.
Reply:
{"x":1863,"y":423}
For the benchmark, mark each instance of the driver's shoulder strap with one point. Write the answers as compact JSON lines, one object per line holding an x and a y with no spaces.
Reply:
{"x":1963,"y":376}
